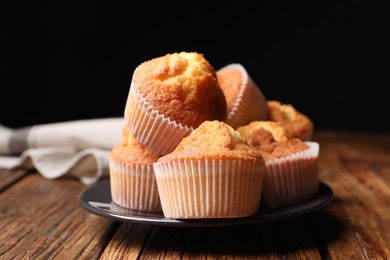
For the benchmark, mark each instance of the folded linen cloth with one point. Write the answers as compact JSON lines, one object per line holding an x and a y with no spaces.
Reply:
{"x":77,"y":148}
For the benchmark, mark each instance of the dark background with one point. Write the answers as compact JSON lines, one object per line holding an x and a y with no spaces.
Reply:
{"x":62,"y":61}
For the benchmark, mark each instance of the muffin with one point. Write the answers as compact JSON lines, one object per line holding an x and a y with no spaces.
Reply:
{"x":132,"y":180}
{"x":296,"y":123}
{"x":292,"y":164}
{"x":212,"y":173}
{"x":171,"y":95}
{"x":244,"y":99}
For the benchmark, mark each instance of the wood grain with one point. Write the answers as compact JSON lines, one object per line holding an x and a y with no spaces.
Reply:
{"x":9,"y":177}
{"x":357,"y":167}
{"x":47,"y":221}
{"x":42,"y":219}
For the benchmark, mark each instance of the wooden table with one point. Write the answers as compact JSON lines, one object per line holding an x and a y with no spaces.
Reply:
{"x":42,"y":219}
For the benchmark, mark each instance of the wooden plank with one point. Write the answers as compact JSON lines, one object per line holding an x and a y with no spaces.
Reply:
{"x":8,"y":177}
{"x":47,"y":221}
{"x":357,"y":223}
{"x":128,"y":242}
{"x":42,"y":219}
{"x":137,"y":241}
{"x":279,"y":240}
{"x":165,"y":243}
{"x":286,"y":239}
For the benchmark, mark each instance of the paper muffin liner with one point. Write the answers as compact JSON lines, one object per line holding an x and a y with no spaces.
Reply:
{"x":250,"y":105}
{"x":133,"y":186}
{"x":155,"y":131}
{"x":209,"y":188}
{"x":291,"y":179}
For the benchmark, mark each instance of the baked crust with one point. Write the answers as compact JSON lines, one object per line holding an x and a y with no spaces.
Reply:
{"x":182,"y":86}
{"x":130,"y":150}
{"x":296,"y":123}
{"x":213,"y":139}
{"x":230,"y":81}
{"x":271,"y":139}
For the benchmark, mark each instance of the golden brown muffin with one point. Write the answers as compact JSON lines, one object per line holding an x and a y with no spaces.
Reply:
{"x":170,"y":96}
{"x":244,"y":99}
{"x":182,"y":86}
{"x":230,"y":81}
{"x":271,"y":138}
{"x":130,"y":150}
{"x":213,"y":139}
{"x":132,"y":180}
{"x":292,"y":164}
{"x":296,"y":123}
{"x":212,"y":173}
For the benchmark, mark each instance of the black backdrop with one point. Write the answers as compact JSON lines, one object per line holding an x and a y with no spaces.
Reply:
{"x":63,"y":61}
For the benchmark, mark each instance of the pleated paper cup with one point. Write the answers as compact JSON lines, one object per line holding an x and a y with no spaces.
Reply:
{"x":208,"y":188}
{"x":133,"y":186}
{"x":250,"y":105}
{"x":152,"y":129}
{"x":291,"y":179}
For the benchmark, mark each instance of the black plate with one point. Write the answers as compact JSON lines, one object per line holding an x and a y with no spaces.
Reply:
{"x":97,"y":200}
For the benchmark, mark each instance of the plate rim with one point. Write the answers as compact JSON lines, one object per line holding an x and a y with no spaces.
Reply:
{"x":323,"y":198}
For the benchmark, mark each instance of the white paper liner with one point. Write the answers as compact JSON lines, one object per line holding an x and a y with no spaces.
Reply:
{"x":291,"y":179}
{"x":156,"y":132}
{"x":207,"y":188}
{"x":133,"y":186}
{"x":250,"y":105}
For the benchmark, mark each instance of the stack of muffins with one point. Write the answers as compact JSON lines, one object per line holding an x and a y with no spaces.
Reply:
{"x":204,"y":143}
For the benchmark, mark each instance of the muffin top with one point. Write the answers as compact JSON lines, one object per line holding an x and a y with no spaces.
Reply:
{"x":130,"y":150}
{"x":297,"y":124}
{"x":216,"y":140}
{"x":230,"y":80}
{"x":182,"y":86}
{"x":271,"y":139}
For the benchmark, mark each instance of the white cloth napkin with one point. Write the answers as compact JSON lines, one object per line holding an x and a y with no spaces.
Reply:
{"x":77,"y":148}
